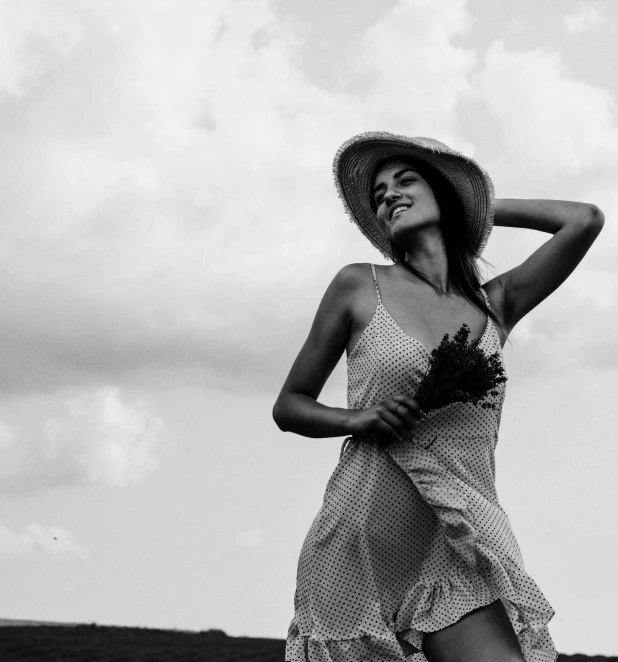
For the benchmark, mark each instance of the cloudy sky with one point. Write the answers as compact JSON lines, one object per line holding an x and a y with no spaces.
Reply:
{"x":169,"y":226}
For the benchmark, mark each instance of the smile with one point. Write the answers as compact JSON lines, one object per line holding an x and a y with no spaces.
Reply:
{"x":399,"y":209}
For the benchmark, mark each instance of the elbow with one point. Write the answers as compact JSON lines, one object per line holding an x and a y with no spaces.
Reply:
{"x":595,"y":218}
{"x":278,"y":416}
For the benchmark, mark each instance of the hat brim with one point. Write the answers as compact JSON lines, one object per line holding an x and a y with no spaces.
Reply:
{"x":354,"y":165}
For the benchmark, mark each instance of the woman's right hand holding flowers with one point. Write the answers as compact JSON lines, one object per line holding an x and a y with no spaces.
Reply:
{"x":389,"y":420}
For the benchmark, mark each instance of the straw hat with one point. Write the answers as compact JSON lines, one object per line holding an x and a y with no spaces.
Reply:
{"x":354,"y":166}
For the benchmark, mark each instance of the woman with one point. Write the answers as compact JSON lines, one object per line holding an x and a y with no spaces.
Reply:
{"x":411,"y":551}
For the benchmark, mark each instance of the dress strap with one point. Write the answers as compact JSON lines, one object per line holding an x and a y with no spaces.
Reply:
{"x":486,"y":297}
{"x":375,"y":280}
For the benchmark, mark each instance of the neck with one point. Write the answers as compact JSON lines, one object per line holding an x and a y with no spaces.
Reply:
{"x":429,"y":257}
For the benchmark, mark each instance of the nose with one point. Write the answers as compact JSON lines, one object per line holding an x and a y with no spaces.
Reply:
{"x":391,"y":194}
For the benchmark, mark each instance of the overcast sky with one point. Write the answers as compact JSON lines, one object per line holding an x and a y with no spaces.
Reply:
{"x":169,"y":226}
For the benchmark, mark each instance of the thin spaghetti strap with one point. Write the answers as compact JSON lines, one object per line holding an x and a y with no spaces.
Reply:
{"x":486,"y":297}
{"x":375,"y":280}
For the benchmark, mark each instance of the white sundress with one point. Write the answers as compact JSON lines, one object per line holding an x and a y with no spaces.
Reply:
{"x":410,"y":536}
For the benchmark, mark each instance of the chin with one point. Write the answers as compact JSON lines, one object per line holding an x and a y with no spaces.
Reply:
{"x":403,"y":236}
{"x":400,"y":235}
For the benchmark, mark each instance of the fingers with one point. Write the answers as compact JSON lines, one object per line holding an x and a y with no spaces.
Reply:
{"x":394,"y":427}
{"x":411,"y":405}
{"x":395,"y":417}
{"x":401,"y":416}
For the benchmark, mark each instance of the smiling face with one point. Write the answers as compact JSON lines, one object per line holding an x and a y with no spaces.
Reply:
{"x":403,"y":200}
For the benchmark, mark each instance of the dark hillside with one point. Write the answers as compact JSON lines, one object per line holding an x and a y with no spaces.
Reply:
{"x":90,"y":643}
{"x":95,"y":643}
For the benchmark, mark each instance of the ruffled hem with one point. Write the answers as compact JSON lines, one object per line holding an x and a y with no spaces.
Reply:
{"x":371,"y":648}
{"x":367,"y":647}
{"x":429,"y":607}
{"x":402,"y":643}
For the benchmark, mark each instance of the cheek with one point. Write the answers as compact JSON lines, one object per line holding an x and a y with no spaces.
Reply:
{"x":433,"y":203}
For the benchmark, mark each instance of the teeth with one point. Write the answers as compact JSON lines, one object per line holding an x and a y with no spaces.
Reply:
{"x":398,"y":210}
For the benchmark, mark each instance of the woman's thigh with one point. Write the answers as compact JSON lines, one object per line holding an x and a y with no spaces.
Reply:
{"x":483,"y":635}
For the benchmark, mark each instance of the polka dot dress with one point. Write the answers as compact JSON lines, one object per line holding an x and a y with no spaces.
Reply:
{"x":410,"y":536}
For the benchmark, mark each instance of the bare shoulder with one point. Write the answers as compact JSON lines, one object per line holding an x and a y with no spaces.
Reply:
{"x":360,"y":274}
{"x":353,"y":282}
{"x":353,"y":275}
{"x":343,"y":293}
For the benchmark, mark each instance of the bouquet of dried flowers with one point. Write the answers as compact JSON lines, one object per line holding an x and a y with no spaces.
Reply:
{"x":460,"y":372}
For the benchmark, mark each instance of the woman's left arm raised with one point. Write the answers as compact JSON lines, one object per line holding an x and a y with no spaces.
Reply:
{"x":575,"y":226}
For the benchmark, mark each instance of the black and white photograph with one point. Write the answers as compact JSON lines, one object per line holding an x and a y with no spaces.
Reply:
{"x":308,"y":341}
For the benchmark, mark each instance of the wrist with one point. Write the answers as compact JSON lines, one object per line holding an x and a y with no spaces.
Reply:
{"x":499,"y":210}
{"x":349,"y":422}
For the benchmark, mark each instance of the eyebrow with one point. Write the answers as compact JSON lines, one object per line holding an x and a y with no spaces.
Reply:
{"x":396,"y":175}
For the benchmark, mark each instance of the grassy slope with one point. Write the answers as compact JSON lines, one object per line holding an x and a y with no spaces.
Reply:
{"x":92,"y":643}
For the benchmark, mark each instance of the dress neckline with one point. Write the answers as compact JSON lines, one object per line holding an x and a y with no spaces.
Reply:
{"x":488,"y":323}
{"x":407,"y":335}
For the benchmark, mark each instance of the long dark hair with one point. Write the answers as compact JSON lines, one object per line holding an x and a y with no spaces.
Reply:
{"x":463,"y":270}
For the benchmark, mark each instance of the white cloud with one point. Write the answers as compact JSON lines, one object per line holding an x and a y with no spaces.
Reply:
{"x":50,"y":539}
{"x":585,"y":17}
{"x":554,"y":125}
{"x":55,"y":31}
{"x":6,"y":435}
{"x":164,"y":168}
{"x":99,"y":440}
{"x":419,"y":75}
{"x":515,"y":26}
{"x":149,"y":173}
{"x":251,"y":538}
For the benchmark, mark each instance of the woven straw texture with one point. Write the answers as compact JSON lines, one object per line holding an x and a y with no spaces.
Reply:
{"x":356,"y":159}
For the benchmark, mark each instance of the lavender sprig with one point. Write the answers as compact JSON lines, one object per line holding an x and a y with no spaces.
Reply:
{"x":460,"y":372}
